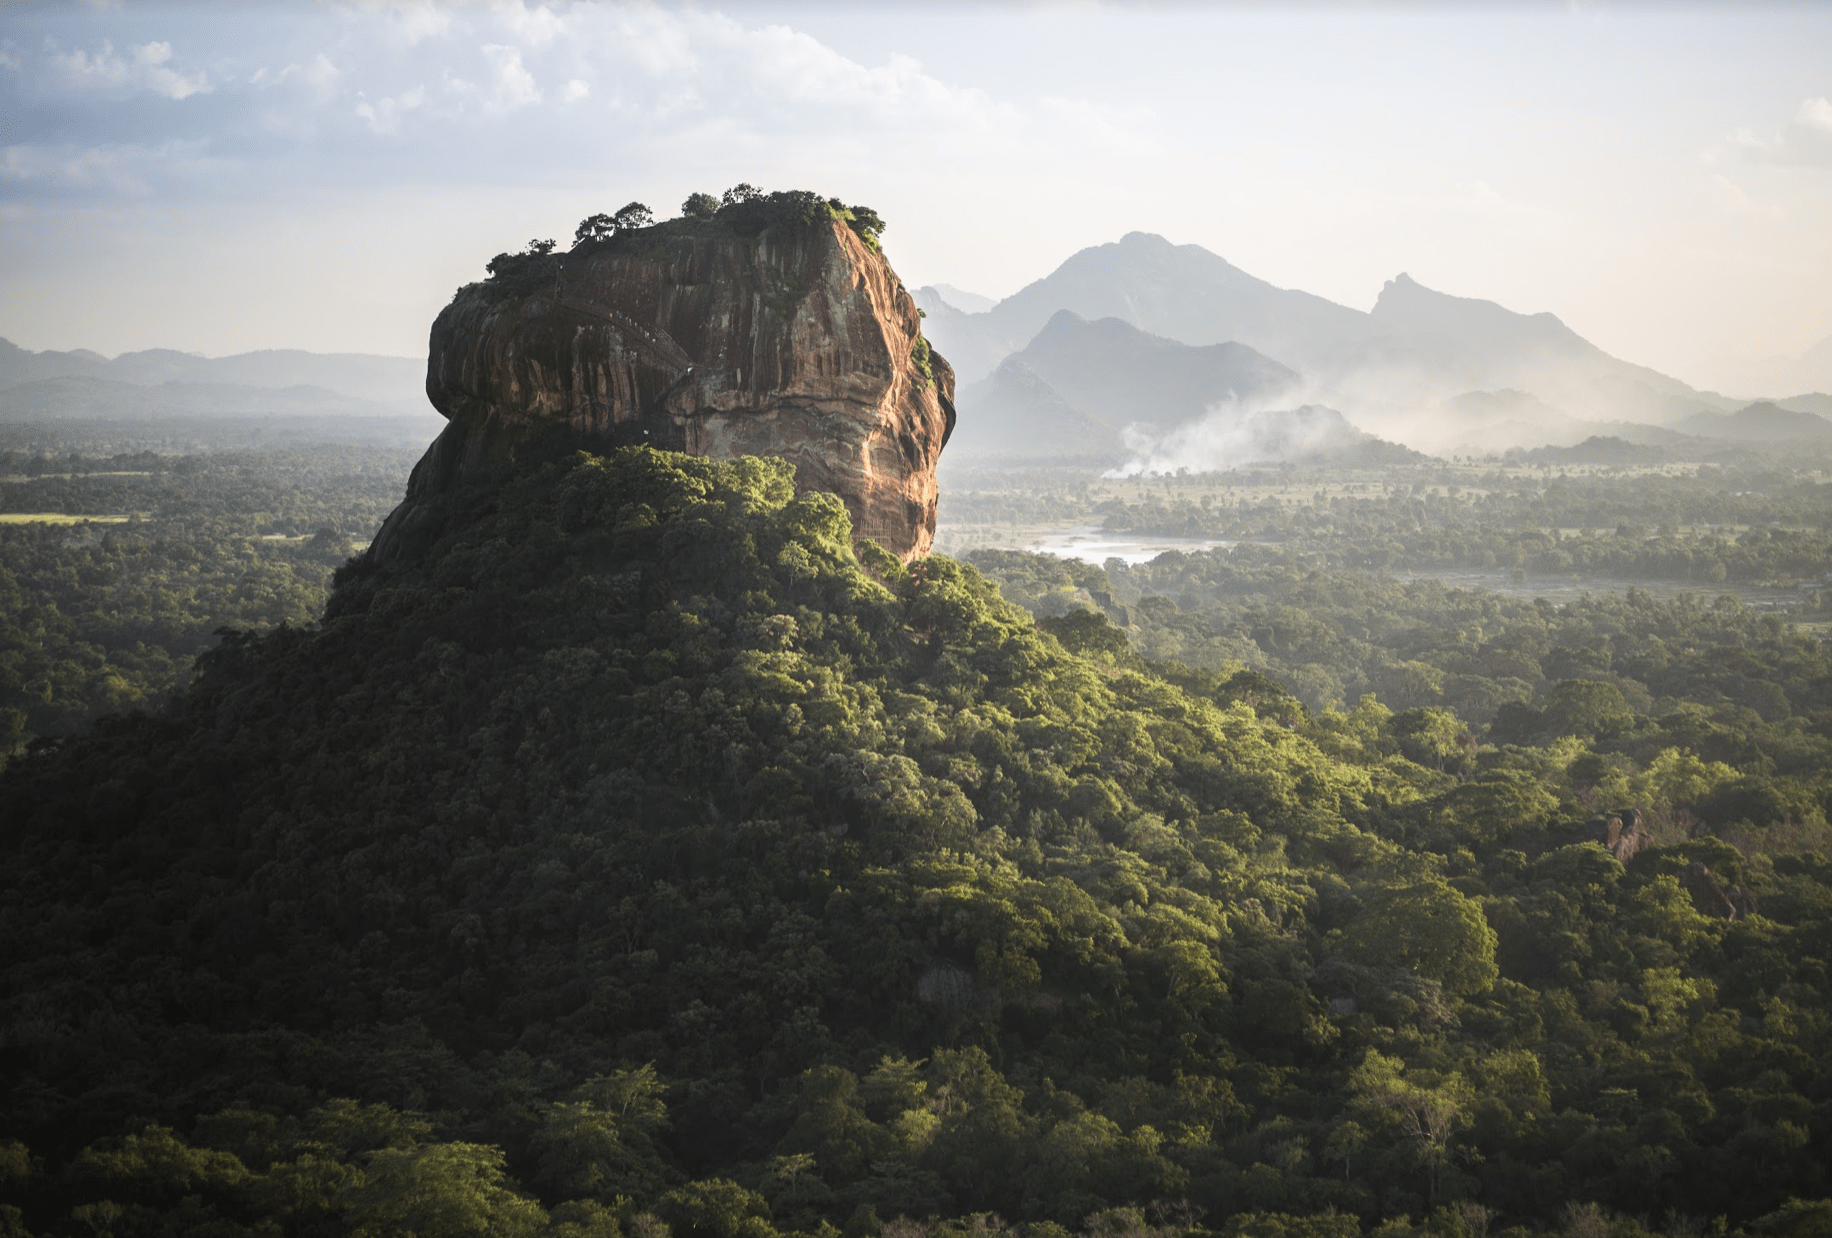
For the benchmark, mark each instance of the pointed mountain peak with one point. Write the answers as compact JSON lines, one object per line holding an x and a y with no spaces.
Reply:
{"x":1402,"y":291}
{"x":1405,"y":305}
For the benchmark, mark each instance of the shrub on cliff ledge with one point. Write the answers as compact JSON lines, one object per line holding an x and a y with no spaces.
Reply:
{"x":525,"y":271}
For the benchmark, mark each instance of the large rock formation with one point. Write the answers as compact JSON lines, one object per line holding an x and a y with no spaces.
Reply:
{"x":771,"y":329}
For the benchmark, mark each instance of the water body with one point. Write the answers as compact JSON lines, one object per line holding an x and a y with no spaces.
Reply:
{"x":1093,"y":544}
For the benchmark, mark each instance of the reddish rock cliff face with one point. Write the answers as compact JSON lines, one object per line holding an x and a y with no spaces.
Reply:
{"x":798,"y":341}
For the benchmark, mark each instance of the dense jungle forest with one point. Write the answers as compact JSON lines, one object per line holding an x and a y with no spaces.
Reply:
{"x":648,"y":861}
{"x":117,"y":570}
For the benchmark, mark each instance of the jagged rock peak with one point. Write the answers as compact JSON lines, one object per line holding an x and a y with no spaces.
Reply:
{"x":771,"y":325}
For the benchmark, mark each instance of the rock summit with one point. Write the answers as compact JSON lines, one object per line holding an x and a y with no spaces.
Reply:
{"x":771,"y":326}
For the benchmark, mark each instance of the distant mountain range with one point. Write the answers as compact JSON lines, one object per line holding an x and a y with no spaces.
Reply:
{"x":106,"y":399}
{"x":348,"y":382}
{"x":1438,"y":372}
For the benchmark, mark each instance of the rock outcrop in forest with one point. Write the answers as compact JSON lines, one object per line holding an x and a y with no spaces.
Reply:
{"x":771,"y":326}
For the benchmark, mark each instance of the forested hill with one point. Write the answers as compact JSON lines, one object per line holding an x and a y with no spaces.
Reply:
{"x":645,"y":861}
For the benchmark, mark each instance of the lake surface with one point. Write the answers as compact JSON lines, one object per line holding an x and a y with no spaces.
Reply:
{"x":1093,"y":544}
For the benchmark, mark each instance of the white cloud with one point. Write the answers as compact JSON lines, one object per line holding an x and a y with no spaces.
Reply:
{"x":384,"y":116}
{"x":1815,"y":116}
{"x":577,"y":89}
{"x":1805,"y":140}
{"x":412,"y":23}
{"x":147,"y":67}
{"x":794,"y":66}
{"x":531,"y":29}
{"x":724,"y":82}
{"x":320,"y":72}
{"x":514,"y":85}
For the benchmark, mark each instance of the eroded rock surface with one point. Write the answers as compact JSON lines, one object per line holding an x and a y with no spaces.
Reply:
{"x":797,"y":340}
{"x":1714,"y":899}
{"x":1623,"y":833}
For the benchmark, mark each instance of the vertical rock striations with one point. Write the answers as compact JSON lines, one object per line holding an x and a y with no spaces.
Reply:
{"x":771,"y":329}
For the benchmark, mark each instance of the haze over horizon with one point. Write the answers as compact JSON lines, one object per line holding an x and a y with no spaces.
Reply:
{"x":296,"y":176}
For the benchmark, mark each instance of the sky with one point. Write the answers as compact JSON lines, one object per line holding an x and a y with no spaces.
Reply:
{"x":220,"y":177}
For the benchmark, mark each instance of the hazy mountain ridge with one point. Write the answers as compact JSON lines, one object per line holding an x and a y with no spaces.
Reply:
{"x":1763,"y":421}
{"x":1079,"y":386}
{"x":1476,"y":344}
{"x":1423,"y":367}
{"x":79,"y":397}
{"x":1182,"y":292}
{"x":365,"y":377}
{"x":1125,"y":375}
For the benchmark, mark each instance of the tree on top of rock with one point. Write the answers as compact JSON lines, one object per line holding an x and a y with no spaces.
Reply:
{"x":634,"y":215}
{"x":602,"y":227}
{"x":597,"y":227}
{"x":700,"y":206}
